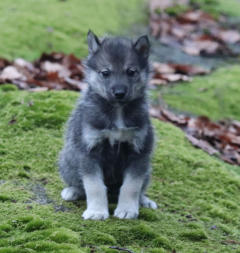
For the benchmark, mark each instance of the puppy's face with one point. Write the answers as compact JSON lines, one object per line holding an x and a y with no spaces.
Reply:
{"x":117,"y":68}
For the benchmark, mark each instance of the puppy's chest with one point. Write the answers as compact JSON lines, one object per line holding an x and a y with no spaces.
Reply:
{"x":116,"y":132}
{"x":119,"y":132}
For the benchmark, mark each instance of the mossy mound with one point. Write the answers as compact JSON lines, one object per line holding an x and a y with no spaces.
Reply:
{"x":197,"y":194}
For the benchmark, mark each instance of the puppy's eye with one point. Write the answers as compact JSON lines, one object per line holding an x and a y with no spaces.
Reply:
{"x":106,"y":73}
{"x":131,"y":72}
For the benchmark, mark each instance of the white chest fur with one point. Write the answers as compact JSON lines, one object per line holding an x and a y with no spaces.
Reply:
{"x":120,"y":133}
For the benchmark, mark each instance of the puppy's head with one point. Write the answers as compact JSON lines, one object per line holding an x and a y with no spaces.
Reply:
{"x":117,"y":68}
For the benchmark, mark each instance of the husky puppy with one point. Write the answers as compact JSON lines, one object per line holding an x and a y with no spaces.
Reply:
{"x":109,"y":138}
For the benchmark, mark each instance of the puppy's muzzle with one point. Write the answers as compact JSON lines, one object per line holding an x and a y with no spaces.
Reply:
{"x":119,"y":92}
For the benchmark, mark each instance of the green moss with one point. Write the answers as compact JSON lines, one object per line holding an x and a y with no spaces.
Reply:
{"x":215,"y":96}
{"x":5,"y":198}
{"x":49,"y":246}
{"x":64,"y":235}
{"x":219,"y":193}
{"x":148,"y":215}
{"x":162,"y":241}
{"x":108,"y":250}
{"x":195,"y":235}
{"x":11,"y":250}
{"x":157,"y":250}
{"x":143,"y":232}
{"x":25,"y":219}
{"x":5,"y":227}
{"x":185,"y":181}
{"x":98,"y":238}
{"x":176,"y":10}
{"x":217,"y":211}
{"x":214,"y":7}
{"x":226,"y":229}
{"x":35,"y":114}
{"x":229,"y":204}
{"x":229,"y":7}
{"x":195,"y":226}
{"x":37,"y":224}
{"x":28,"y":29}
{"x":8,"y":87}
{"x":23,"y":174}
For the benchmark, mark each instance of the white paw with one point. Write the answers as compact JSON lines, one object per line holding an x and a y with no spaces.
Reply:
{"x":126,"y":213}
{"x":89,"y":214}
{"x":70,"y":193}
{"x":148,"y":203}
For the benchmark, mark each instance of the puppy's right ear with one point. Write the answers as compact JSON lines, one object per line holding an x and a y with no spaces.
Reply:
{"x":93,"y":42}
{"x":142,"y":46}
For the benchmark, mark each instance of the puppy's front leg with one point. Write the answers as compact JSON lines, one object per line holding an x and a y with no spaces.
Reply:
{"x":128,"y":201}
{"x":96,"y":193}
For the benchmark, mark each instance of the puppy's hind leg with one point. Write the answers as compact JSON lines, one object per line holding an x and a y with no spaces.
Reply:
{"x":72,"y":193}
{"x":147,"y":202}
{"x":68,"y":165}
{"x":144,"y":200}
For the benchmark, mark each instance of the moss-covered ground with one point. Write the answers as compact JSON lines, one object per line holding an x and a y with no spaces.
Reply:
{"x":215,"y":95}
{"x":198,"y":195}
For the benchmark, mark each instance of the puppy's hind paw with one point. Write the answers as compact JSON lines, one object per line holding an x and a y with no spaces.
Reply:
{"x":70,"y":193}
{"x":148,"y":203}
{"x":95,"y":215}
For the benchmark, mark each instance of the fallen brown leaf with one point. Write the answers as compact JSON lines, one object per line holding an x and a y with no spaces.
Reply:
{"x":168,"y":72}
{"x":204,"y":145}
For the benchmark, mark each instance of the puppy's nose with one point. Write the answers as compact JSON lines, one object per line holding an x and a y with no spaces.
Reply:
{"x":119,"y":92}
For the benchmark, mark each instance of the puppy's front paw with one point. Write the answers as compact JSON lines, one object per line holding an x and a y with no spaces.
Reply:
{"x":89,"y":214}
{"x":126,"y":213}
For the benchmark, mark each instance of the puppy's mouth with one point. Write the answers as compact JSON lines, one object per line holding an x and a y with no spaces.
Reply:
{"x":121,"y":101}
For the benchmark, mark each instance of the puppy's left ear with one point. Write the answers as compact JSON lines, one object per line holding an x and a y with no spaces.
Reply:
{"x":93,"y":42}
{"x":142,"y":46}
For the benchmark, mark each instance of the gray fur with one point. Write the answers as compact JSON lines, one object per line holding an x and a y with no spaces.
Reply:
{"x":109,"y":138}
